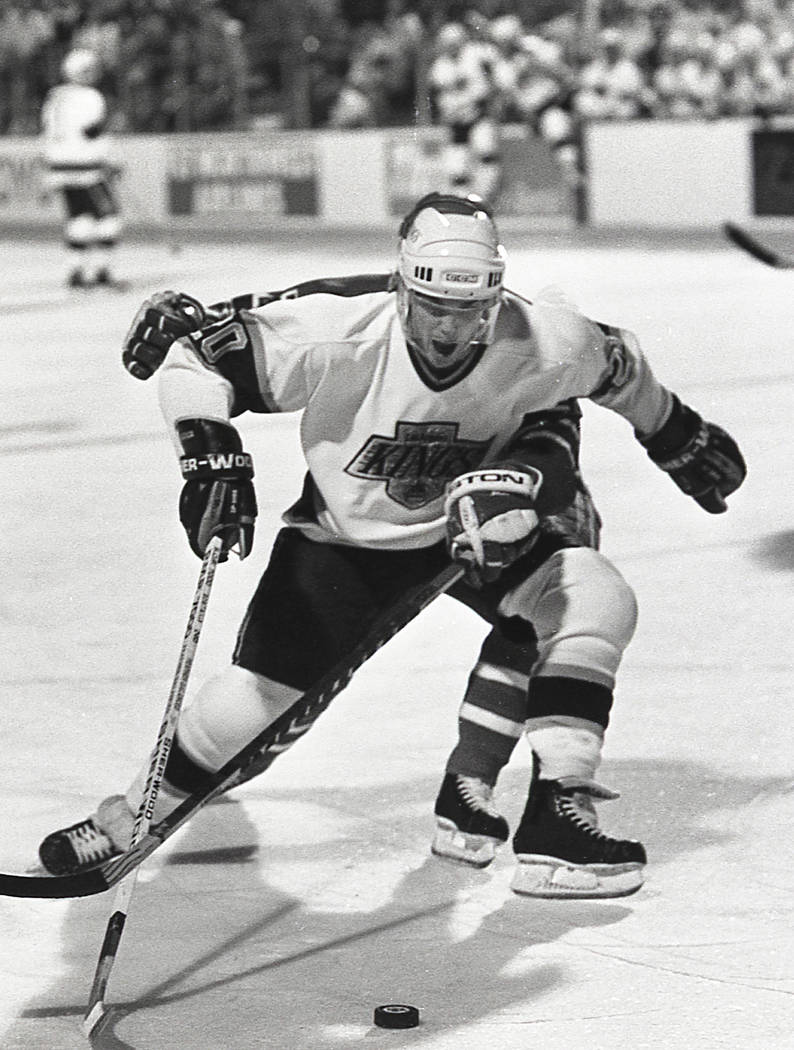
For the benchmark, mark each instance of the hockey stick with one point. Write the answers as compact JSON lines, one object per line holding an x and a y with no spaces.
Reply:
{"x":154,"y":778}
{"x":262,"y":750}
{"x":754,"y":247}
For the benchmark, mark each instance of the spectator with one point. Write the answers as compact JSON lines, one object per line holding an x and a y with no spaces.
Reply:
{"x":611,"y":85}
{"x":353,"y":107}
{"x":25,"y":29}
{"x":179,"y":65}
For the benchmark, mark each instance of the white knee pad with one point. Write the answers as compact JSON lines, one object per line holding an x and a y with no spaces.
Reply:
{"x":228,"y":712}
{"x":79,"y":230}
{"x":583,"y":612}
{"x":108,"y":229}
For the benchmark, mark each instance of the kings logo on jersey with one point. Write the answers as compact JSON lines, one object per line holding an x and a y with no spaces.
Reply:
{"x":418,"y":462}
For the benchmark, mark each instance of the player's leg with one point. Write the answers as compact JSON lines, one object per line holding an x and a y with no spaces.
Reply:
{"x":491,"y":719}
{"x":77,"y":235}
{"x":584,"y":615}
{"x":314,"y":603}
{"x":106,"y":233}
{"x":495,"y":707}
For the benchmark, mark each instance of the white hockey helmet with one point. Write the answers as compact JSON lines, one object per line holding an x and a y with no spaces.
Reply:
{"x":450,"y":271}
{"x":449,"y":248}
{"x":81,"y":66}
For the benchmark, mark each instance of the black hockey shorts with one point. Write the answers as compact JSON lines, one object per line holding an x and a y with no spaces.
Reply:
{"x":316,"y":601}
{"x":97,"y":200}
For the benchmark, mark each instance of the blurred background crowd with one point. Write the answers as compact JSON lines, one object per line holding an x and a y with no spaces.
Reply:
{"x":193,"y":65}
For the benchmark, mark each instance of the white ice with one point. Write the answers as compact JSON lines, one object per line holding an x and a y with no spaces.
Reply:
{"x":281,"y":917}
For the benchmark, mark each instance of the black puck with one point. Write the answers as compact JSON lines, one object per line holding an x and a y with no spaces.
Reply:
{"x":396,"y":1015}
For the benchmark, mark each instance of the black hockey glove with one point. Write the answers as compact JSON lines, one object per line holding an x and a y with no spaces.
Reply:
{"x":218,"y":497}
{"x":700,"y":457}
{"x":160,"y":321}
{"x":491,"y":518}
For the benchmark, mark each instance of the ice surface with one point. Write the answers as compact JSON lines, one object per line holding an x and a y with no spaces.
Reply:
{"x":282,"y":917}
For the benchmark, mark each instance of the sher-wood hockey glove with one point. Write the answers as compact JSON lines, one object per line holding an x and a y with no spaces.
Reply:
{"x":218,"y":497}
{"x":701,"y":458}
{"x":491,"y":518}
{"x":161,"y":320}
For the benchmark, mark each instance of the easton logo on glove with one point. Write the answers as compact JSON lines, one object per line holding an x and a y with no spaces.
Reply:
{"x":491,"y":518}
{"x":521,"y":483}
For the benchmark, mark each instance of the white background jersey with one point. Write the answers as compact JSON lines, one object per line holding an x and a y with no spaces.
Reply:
{"x":73,"y":157}
{"x":379,"y":444}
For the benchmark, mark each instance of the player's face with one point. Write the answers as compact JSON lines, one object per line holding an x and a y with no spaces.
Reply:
{"x":443,"y":330}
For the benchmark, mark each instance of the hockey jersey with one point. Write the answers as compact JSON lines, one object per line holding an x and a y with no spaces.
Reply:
{"x":379,"y":444}
{"x":75,"y":149}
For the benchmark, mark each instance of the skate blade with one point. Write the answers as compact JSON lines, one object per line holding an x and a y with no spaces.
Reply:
{"x":475,"y":850}
{"x":538,"y":876}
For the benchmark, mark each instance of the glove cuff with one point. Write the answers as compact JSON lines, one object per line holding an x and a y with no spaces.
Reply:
{"x":212,"y":450}
{"x":682,"y":433}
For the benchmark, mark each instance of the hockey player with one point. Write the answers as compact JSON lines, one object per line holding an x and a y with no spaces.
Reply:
{"x":77,"y":154}
{"x":439,"y":420}
{"x":465,"y":100}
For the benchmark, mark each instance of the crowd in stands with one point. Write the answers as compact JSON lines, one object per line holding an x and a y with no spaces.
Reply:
{"x":186,"y":65}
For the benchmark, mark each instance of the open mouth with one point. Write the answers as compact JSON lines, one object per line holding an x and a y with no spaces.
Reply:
{"x":445,"y":349}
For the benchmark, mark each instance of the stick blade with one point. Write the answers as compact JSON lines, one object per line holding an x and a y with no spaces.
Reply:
{"x":93,"y":1019}
{"x":52,"y":887}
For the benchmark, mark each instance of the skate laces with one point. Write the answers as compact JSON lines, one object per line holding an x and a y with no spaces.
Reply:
{"x":577,"y":806}
{"x":477,"y":794}
{"x":90,"y":844}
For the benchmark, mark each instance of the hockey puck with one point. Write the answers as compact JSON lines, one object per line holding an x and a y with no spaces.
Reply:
{"x":396,"y":1015}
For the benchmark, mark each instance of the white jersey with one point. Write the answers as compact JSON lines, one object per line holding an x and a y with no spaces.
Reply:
{"x":74,"y":148}
{"x":380,"y":445}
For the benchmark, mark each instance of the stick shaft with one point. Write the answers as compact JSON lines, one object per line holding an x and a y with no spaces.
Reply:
{"x":763,"y":252}
{"x":154,"y":779}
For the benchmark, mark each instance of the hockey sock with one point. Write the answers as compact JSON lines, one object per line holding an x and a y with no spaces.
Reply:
{"x":490,"y":722}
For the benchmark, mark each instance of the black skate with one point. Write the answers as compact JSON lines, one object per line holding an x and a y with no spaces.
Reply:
{"x":105,"y":279}
{"x":77,"y":279}
{"x":89,"y":842}
{"x":560,"y":850}
{"x":468,"y":826}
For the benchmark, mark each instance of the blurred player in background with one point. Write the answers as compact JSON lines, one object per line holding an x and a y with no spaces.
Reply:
{"x":439,"y":421}
{"x":77,"y":153}
{"x":465,"y":101}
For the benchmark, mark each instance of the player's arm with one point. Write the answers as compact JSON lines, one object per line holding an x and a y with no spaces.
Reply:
{"x":167,"y":316}
{"x":701,"y":458}
{"x":492,"y":513}
{"x":217,"y":497}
